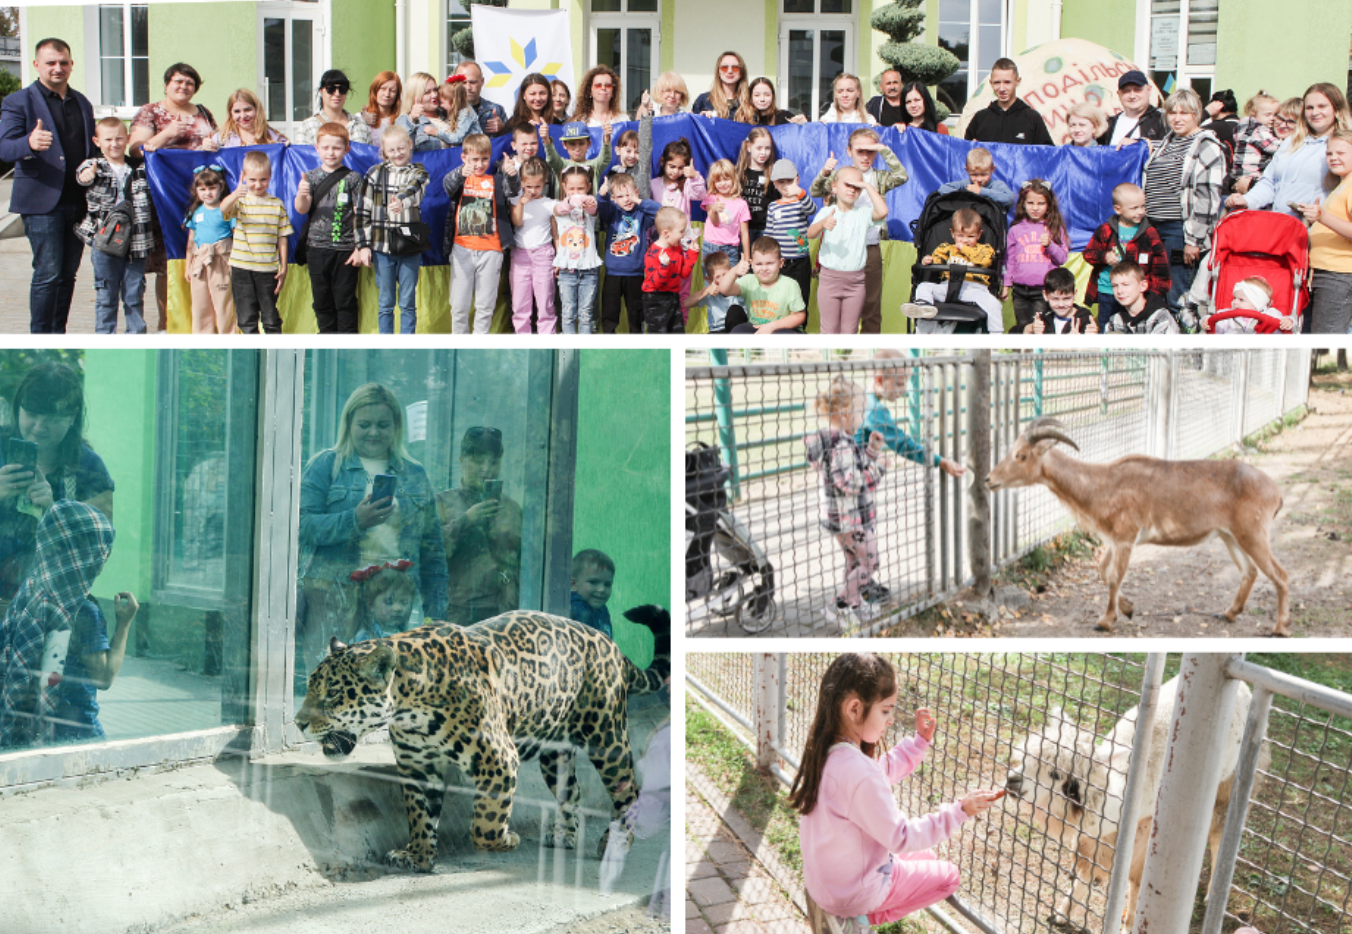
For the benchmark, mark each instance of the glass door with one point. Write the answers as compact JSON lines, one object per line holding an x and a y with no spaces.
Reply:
{"x":292,"y":42}
{"x":629,"y":49}
{"x":809,"y":60}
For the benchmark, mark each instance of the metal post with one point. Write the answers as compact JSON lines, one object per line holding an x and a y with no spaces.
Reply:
{"x":1132,"y":805}
{"x":979,"y":440}
{"x":1172,"y":403}
{"x":767,"y":700}
{"x":914,"y":396}
{"x":727,"y":431}
{"x":1192,"y":766}
{"x":1037,"y":385}
{"x":1239,"y":399}
{"x":931,"y":477}
{"x":1283,"y":359}
{"x":944,"y":517}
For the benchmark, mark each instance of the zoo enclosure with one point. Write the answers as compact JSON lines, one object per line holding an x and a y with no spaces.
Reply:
{"x":1172,"y":404}
{"x":1287,"y":848}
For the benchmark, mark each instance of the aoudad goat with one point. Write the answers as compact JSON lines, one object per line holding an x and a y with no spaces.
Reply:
{"x":1145,"y":500}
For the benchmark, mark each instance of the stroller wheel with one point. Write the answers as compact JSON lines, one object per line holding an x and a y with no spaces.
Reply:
{"x":758,"y":612}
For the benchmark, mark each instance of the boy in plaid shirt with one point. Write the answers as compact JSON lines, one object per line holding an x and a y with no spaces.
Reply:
{"x":391,"y":196}
{"x":258,"y":253}
{"x":665,"y":266}
{"x":109,"y":180}
{"x":1124,"y":236}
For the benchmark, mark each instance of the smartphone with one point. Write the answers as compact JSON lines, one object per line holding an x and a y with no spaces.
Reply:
{"x":24,"y":453}
{"x":1294,"y":207}
{"x":493,"y":489}
{"x":382,"y":487}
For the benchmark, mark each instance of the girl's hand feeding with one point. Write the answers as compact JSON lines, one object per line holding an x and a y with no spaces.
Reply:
{"x":978,"y":802}
{"x":924,"y":718}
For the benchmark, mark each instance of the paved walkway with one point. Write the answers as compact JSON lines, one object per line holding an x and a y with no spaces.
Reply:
{"x":16,"y":275}
{"x":728,"y":889}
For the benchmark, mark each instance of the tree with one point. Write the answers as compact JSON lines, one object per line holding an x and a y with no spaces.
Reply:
{"x":463,"y":40}
{"x":901,"y":21}
{"x":9,"y":21}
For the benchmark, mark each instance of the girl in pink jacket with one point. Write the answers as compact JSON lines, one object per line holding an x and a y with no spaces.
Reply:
{"x":864,"y":862}
{"x":1037,"y":243}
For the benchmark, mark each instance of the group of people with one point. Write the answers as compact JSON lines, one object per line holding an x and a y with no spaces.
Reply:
{"x":555,"y":220}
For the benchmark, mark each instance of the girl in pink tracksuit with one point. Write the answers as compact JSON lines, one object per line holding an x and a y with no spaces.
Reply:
{"x":861,"y":855}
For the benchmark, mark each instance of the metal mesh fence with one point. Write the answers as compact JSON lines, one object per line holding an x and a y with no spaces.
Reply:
{"x":772,"y":565}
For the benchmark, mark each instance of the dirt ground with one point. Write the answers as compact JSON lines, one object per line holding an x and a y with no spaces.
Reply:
{"x":1181,"y":592}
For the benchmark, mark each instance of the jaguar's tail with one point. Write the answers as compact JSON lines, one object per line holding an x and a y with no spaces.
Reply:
{"x":658,"y":621}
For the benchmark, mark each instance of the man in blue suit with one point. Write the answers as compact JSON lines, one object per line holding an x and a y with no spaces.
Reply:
{"x":47,"y":130}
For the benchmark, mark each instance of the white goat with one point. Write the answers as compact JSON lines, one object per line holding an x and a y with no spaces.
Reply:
{"x":1077,"y":791}
{"x":1145,"y":500}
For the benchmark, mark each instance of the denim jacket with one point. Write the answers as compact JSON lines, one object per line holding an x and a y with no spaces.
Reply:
{"x":331,"y":542}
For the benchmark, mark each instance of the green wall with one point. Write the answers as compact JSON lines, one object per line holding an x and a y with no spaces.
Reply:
{"x":1283,"y":54}
{"x":1112,"y":25}
{"x":180,"y":32}
{"x":65,"y":22}
{"x":622,"y":498}
{"x":363,"y":44}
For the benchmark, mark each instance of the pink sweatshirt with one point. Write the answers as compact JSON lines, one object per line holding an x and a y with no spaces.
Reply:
{"x":680,"y":196}
{"x":1027,"y":261}
{"x":850,"y":836}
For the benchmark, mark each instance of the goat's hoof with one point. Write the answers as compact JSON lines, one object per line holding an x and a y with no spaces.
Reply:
{"x":1126,"y":607}
{"x":1101,"y":626}
{"x":1281,"y":632}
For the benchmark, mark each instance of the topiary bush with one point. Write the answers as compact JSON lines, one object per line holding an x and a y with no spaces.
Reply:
{"x":463,"y":40}
{"x":901,"y":21}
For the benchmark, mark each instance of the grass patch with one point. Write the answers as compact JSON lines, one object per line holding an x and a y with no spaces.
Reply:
{"x":1032,"y":570}
{"x":1272,"y":429}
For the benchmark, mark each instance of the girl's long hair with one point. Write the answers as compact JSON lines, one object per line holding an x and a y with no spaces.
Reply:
{"x":208,"y":175}
{"x":262,"y":132}
{"x":583,"y":110}
{"x":1056,"y":228}
{"x":558,"y":83}
{"x":373,"y":107}
{"x":522,"y":113}
{"x":930,"y":121}
{"x":859,"y":109}
{"x":774,"y":101}
{"x":364,"y":395}
{"x":1342,"y":118}
{"x":676,"y":149}
{"x":722,"y":104}
{"x":866,"y":676}
{"x":454,"y":97}
{"x":721,"y":169}
{"x":744,"y":157}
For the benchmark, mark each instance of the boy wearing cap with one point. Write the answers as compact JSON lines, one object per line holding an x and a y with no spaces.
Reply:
{"x":1138,"y":119}
{"x":576,"y":141}
{"x":787,"y":221}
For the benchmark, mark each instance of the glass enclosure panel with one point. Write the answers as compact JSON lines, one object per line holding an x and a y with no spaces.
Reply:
{"x":140,"y":431}
{"x":800,"y":72}
{"x":469,"y":503}
{"x":274,"y":67}
{"x":638,"y":67}
{"x":302,"y":68}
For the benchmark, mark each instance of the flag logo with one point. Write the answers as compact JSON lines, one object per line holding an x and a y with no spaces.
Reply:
{"x":525,"y":58}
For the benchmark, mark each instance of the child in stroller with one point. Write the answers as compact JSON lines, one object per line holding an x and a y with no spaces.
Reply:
{"x":957,"y":234}
{"x":1266,"y":246}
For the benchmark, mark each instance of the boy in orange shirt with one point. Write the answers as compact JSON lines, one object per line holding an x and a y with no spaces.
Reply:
{"x":478,"y":232}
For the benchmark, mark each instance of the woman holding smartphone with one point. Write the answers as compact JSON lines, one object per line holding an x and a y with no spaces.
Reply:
{"x":349,"y":519}
{"x":46,"y":459}
{"x":482,"y":532}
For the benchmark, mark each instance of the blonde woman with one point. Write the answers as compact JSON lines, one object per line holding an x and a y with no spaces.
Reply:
{"x":730,"y":95}
{"x":670,"y":95}
{"x":245,"y":124}
{"x":1297,"y":172}
{"x":847,"y":102}
{"x":1086,"y":124}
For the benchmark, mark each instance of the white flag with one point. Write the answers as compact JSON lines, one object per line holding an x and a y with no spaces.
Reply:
{"x":510,"y":44}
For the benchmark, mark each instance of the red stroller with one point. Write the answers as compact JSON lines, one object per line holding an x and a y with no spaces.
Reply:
{"x":1260,"y":243}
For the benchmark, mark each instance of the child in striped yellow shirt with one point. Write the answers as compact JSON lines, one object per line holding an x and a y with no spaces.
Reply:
{"x":258,"y":253}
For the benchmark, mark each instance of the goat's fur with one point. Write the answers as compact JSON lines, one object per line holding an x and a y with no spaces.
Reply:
{"x":1144,"y":500}
{"x":1076,"y":790}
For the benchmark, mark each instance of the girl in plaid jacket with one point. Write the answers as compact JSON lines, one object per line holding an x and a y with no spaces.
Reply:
{"x":848,"y":474}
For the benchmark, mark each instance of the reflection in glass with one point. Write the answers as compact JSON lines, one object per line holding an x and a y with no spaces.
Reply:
{"x":800,"y":72}
{"x":302,"y":69}
{"x":830,"y":62}
{"x":638,"y":71}
{"x":110,"y":52}
{"x":274,"y":68}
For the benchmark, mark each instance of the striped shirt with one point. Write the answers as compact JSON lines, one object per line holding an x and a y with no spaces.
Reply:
{"x":259,"y":224}
{"x":1163,"y":190}
{"x":787,"y":221}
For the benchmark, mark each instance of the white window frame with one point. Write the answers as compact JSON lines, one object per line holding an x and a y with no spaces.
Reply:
{"x":315,"y":11}
{"x":624,"y":21}
{"x":847,"y":23}
{"x":94,"y":53}
{"x":973,"y":46}
{"x":1184,"y":73}
{"x":450,"y":51}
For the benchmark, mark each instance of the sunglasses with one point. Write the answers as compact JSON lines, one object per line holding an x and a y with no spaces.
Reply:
{"x":1286,"y":121}
{"x":732,"y":68}
{"x":337,"y":88}
{"x":603,"y":87}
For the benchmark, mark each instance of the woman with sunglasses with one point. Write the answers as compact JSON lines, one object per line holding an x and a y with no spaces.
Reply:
{"x":729,"y":97}
{"x":598,"y":98}
{"x":333,"y":91}
{"x":47,"y":414}
{"x":481,"y":529}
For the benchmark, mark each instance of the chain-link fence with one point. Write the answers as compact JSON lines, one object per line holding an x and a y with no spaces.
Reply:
{"x":1015,"y":720}
{"x":763,"y":561}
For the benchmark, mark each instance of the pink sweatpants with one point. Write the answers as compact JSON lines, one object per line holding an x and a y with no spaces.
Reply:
{"x":533,"y":276}
{"x":861,"y":562}
{"x":918,"y":881}
{"x":840,"y":300}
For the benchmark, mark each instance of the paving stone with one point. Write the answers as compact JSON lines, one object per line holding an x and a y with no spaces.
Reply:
{"x":742,"y":927}
{"x":697,"y":927}
{"x":724,"y":851}
{"x":736,"y":870}
{"x":755,"y":891}
{"x":712,"y":891}
{"x":722,"y":915}
{"x":700,"y":870}
{"x":691,"y":910}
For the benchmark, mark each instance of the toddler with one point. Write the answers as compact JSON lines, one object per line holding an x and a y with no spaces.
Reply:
{"x":1252,"y":294}
{"x":1037,"y":244}
{"x":575,"y":259}
{"x":771,"y":302}
{"x":665,"y":264}
{"x":258,"y":253}
{"x":110,"y":181}
{"x":864,"y":862}
{"x":786,"y":220}
{"x":1139,"y":311}
{"x":390,"y":200}
{"x":627,"y":218}
{"x":593,"y":577}
{"x":385,"y":595}
{"x":478,"y":233}
{"x":753,"y":174}
{"x":716,"y":268}
{"x":966,"y":249}
{"x":576,"y":141}
{"x":1062,"y":315}
{"x":980,"y":180}
{"x":847,"y":474}
{"x":1125,"y":235}
{"x":843,"y":227}
{"x":727,"y":226}
{"x":210,"y":236}
{"x":428,"y":131}
{"x":533,"y":256}
{"x":633,"y":157}
{"x":679,"y":186}
{"x":1255,"y":143}
{"x":327,"y":196}
{"x":864,"y":148}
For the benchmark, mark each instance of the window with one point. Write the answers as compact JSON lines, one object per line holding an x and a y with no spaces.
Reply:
{"x":625,"y":35}
{"x":457,"y":18}
{"x":816,"y":43}
{"x":974,"y":31}
{"x":124,"y":57}
{"x":290,"y":36}
{"x":1183,"y":43}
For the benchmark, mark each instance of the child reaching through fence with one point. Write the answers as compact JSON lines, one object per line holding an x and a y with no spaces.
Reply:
{"x":864,"y":862}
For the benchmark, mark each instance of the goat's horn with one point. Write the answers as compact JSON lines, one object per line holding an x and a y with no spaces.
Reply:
{"x":1040,"y":429}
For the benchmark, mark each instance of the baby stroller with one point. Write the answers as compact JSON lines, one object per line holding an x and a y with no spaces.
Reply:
{"x":1259,"y":243}
{"x":933,"y":228}
{"x":724,"y":567}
